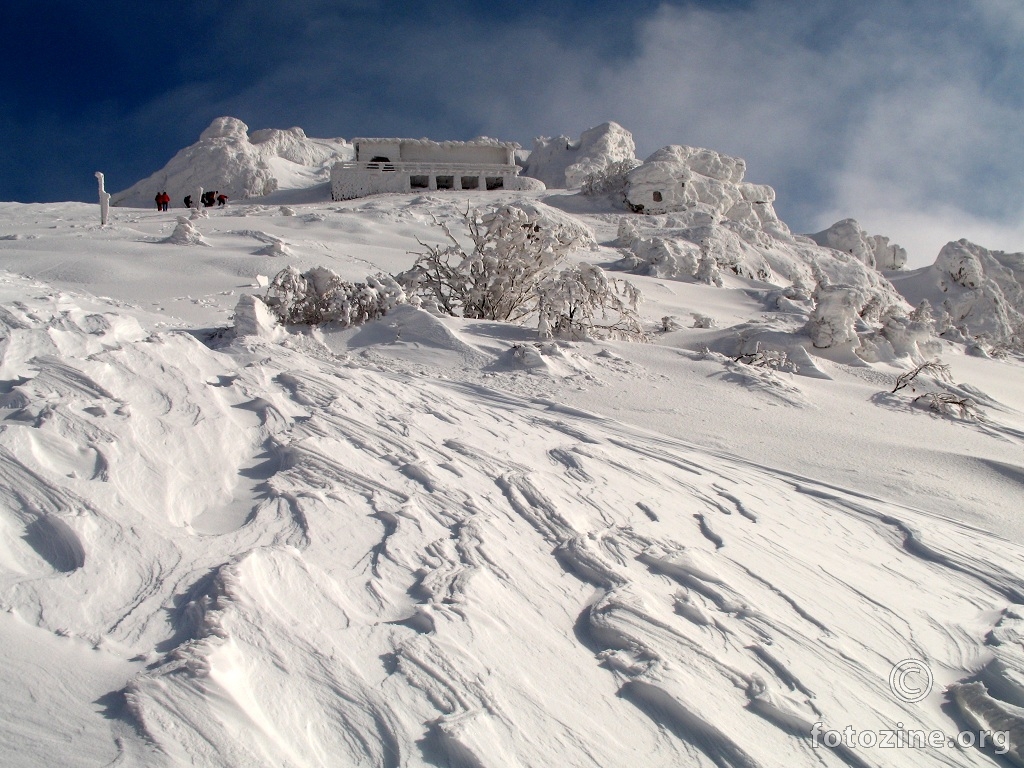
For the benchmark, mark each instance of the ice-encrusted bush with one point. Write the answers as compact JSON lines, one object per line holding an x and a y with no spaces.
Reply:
{"x":495,"y":277}
{"x":772,"y":359}
{"x":934,"y":369}
{"x":610,"y":180}
{"x":506,"y":267}
{"x":320,"y":296}
{"x":185,"y":233}
{"x":836,"y":312}
{"x":942,"y":396}
{"x":582,"y":301}
{"x":950,"y":404}
{"x":707,"y":268}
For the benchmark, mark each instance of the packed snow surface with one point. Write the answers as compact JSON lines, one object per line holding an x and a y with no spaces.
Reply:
{"x":435,"y":541}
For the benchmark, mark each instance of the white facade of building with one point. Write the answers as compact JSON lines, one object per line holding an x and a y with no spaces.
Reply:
{"x":407,"y":165}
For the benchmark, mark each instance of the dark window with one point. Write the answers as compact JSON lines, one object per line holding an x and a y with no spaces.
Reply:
{"x":419,"y":182}
{"x":470,"y":182}
{"x":657,"y":197}
{"x":495,"y":182}
{"x":380,"y":159}
{"x":446,"y":182}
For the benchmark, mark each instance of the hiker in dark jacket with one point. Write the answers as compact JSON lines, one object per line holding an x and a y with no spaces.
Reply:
{"x":188,"y":201}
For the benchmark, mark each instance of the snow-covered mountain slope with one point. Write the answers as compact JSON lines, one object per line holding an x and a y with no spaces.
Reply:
{"x":436,"y":541}
{"x":242,"y":165}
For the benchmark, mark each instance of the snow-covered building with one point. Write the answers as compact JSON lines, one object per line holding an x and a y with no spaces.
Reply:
{"x":405,"y":165}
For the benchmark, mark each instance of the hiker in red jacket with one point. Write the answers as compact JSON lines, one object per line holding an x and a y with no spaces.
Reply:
{"x":221,"y":199}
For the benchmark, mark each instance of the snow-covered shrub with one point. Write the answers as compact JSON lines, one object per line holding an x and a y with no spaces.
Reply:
{"x":950,"y":404}
{"x":321,"y":296}
{"x":983,"y":295}
{"x":773,"y":359}
{"x":910,"y":335}
{"x":610,"y":180}
{"x":873,"y":250}
{"x":562,"y":163}
{"x":495,"y":278}
{"x":707,"y":268}
{"x":627,"y":233}
{"x":509,"y":271}
{"x":933,"y":369}
{"x":836,"y":312}
{"x":582,"y":300}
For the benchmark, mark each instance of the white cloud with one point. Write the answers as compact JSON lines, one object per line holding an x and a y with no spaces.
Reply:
{"x":892,"y":114}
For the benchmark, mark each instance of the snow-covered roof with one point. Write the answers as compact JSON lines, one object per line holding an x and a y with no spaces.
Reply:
{"x":482,"y":141}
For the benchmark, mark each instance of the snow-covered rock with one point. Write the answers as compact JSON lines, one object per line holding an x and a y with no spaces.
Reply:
{"x":874,"y":250}
{"x":702,"y":183}
{"x":240,"y":165}
{"x":564,"y":164}
{"x":983,"y":290}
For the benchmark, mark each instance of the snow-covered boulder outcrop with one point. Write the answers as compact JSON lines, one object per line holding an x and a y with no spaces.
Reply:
{"x":982,"y":290}
{"x":874,"y":250}
{"x":702,"y":183}
{"x":564,"y":164}
{"x":704,"y":222}
{"x":240,"y":165}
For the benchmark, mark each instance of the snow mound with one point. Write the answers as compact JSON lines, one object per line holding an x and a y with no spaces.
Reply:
{"x":240,"y":165}
{"x":565,"y":226}
{"x":414,"y":334}
{"x":874,"y":250}
{"x":253,"y":318}
{"x":185,"y":233}
{"x":563,"y":164}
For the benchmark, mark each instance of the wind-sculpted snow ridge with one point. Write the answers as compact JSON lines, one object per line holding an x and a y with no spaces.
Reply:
{"x":313,"y":562}
{"x":241,"y":165}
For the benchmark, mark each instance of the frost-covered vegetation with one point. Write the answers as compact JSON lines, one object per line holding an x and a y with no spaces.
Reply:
{"x":320,"y":296}
{"x":508,"y":266}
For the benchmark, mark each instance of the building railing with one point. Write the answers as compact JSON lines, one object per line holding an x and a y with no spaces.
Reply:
{"x":430,"y":169}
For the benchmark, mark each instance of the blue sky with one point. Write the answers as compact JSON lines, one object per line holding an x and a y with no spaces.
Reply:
{"x":904,"y":114}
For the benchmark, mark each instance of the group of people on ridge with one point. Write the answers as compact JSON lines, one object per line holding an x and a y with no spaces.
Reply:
{"x":209,"y":199}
